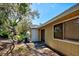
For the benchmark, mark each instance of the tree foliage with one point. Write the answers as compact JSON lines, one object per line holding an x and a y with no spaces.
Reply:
{"x":16,"y":19}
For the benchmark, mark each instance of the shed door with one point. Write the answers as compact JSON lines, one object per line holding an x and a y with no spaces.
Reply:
{"x":35,"y":34}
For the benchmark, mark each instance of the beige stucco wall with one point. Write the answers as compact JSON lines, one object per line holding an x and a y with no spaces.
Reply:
{"x":63,"y":46}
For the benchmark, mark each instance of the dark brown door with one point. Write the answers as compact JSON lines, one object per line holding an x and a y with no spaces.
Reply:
{"x":43,"y":35}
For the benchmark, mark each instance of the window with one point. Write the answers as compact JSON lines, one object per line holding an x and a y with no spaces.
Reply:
{"x":58,"y":31}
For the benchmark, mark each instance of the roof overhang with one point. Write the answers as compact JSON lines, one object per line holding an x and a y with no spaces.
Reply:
{"x":34,"y":26}
{"x":69,"y":11}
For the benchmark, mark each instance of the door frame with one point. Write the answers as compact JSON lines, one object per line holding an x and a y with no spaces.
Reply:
{"x":43,"y":35}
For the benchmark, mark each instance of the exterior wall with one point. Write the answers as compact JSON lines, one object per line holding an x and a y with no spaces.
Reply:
{"x":34,"y":34}
{"x":63,"y":46}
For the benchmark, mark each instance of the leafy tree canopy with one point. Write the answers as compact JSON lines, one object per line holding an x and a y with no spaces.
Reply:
{"x":16,"y":17}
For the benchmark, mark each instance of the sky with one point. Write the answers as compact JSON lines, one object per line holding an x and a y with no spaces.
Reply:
{"x":48,"y":11}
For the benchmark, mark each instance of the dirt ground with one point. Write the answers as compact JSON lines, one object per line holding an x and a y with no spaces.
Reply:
{"x":28,"y":49}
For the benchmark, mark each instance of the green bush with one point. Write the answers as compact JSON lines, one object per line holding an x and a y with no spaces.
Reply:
{"x":20,"y":37}
{"x":4,"y":33}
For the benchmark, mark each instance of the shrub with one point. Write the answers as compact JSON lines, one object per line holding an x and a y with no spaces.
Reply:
{"x":4,"y":33}
{"x":20,"y":38}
